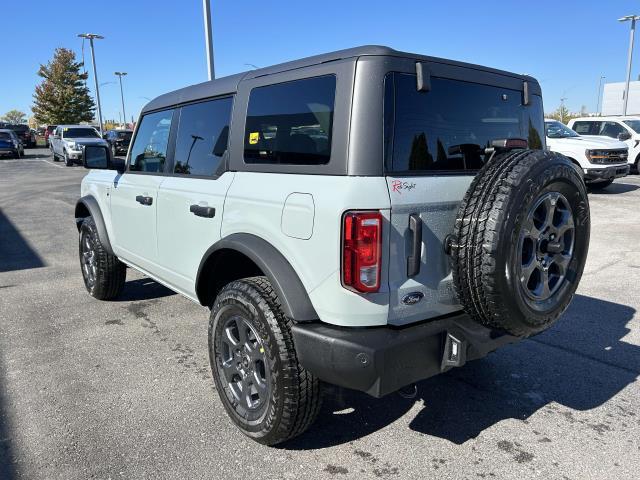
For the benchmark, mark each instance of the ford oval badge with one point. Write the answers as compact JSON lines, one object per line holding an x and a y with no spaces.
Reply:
{"x":412,"y":298}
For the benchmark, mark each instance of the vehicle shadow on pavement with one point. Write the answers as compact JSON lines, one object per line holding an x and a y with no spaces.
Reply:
{"x":615,"y":188}
{"x":7,"y":466}
{"x":143,"y":289}
{"x":15,"y":251}
{"x":580,"y":364}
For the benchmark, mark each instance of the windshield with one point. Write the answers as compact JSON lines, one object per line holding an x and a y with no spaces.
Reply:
{"x":124,"y":135}
{"x":634,"y":124}
{"x":80,"y":133}
{"x":558,"y":130}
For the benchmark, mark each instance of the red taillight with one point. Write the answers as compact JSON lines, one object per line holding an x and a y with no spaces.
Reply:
{"x":361,"y":251}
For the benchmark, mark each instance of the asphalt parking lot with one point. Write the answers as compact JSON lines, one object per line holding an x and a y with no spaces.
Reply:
{"x":122,"y":389}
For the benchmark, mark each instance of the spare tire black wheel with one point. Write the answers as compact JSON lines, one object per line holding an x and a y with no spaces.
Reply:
{"x":520,"y":241}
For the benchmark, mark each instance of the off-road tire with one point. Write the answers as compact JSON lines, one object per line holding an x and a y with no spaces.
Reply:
{"x":599,"y":185}
{"x":110,"y":273}
{"x":485,"y":245}
{"x":294,"y":395}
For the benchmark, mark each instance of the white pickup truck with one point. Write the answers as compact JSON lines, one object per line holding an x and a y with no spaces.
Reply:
{"x":601,"y":159}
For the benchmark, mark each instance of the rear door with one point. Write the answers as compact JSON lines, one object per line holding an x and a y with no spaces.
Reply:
{"x":435,"y":143}
{"x":191,"y":199}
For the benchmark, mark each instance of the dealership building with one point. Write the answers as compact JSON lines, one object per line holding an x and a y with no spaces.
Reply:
{"x":612,"y":98}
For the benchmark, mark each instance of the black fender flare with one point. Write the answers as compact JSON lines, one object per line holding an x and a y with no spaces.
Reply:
{"x":291,"y":292}
{"x":89,"y":203}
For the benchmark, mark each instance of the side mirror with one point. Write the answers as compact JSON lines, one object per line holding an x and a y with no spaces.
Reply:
{"x":624,"y":136}
{"x":99,"y":157}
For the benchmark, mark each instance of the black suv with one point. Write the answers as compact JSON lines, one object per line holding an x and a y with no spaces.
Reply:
{"x":118,"y":141}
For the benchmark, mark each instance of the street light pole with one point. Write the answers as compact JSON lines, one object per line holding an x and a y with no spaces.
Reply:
{"x":633,"y":19}
{"x":120,"y":75}
{"x":91,"y":36}
{"x":208,"y":37}
{"x":602,"y":77}
{"x":562,"y":109}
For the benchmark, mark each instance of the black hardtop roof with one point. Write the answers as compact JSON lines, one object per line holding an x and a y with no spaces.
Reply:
{"x":229,"y":85}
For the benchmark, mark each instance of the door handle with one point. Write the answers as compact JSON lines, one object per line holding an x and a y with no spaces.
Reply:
{"x":413,"y":260}
{"x":141,"y":199}
{"x":201,"y":211}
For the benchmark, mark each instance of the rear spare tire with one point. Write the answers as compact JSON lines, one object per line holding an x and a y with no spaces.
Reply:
{"x":520,"y":241}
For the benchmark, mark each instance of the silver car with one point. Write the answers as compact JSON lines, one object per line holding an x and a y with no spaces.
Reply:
{"x":68,"y":141}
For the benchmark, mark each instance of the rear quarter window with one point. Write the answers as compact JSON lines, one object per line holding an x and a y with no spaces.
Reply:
{"x":448,"y":128}
{"x":291,"y":123}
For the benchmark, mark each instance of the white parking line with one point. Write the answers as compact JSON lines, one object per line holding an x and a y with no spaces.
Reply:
{"x":51,"y":163}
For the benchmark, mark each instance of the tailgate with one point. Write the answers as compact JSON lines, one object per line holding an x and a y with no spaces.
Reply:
{"x":422,"y":208}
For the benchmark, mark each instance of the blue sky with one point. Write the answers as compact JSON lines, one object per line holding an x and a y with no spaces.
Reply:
{"x":567,"y":45}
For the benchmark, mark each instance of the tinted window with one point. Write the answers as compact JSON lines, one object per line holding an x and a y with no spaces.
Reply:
{"x":149,"y":150}
{"x":634,"y":124}
{"x":5,"y":136}
{"x":291,"y":122}
{"x":448,"y":128}
{"x":587,"y":128}
{"x":123,"y":135}
{"x":611,"y":129}
{"x":203,"y":133}
{"x":80,"y":133}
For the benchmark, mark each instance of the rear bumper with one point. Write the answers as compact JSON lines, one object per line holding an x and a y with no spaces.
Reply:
{"x":381,"y":360}
{"x":607,"y":173}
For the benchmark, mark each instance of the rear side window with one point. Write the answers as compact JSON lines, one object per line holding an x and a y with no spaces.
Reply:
{"x":291,"y":123}
{"x":587,"y":128}
{"x":203,"y":134}
{"x":448,"y":128}
{"x":149,"y":151}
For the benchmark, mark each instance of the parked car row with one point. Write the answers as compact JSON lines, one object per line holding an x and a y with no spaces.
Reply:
{"x":25,"y":134}
{"x":10,"y":145}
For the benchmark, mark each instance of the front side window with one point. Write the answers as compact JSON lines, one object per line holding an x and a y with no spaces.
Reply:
{"x":611,"y":129}
{"x":149,"y":150}
{"x":291,"y":123}
{"x":633,"y":124}
{"x":449,"y":127}
{"x":203,"y":134}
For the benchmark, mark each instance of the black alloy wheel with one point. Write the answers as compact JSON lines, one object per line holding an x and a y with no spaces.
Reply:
{"x":243,"y":365}
{"x":546,"y":246}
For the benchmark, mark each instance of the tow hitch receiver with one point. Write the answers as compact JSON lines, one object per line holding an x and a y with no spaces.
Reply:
{"x":455,"y":352}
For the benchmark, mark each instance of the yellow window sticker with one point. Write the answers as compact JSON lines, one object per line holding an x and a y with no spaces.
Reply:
{"x":253,"y":138}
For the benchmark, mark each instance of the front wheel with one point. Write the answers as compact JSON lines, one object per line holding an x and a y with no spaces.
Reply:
{"x":104,"y":275}
{"x":263,"y":388}
{"x":67,"y":161}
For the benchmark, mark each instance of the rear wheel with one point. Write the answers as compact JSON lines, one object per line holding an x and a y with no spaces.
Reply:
{"x":263,"y":388}
{"x":104,"y":275}
{"x":520,"y":241}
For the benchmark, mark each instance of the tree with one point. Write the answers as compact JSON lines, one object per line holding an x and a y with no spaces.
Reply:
{"x":63,"y":96}
{"x":562,"y":114}
{"x":14,"y":116}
